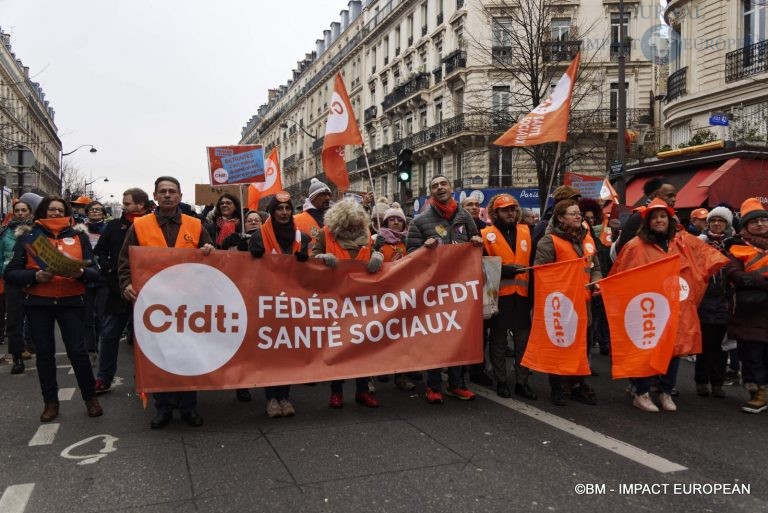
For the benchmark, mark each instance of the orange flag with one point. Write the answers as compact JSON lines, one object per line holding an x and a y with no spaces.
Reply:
{"x":272,"y":183}
{"x":340,"y":129}
{"x":643,"y":307}
{"x":558,"y":341}
{"x":548,"y":122}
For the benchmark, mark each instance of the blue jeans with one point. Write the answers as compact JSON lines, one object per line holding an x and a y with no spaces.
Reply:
{"x":666,"y":382}
{"x":111,"y":331}
{"x":70,"y":320}
{"x":455,"y":378}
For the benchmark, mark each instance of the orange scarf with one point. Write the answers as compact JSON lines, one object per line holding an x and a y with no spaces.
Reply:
{"x":55,"y":225}
{"x":447,"y":210}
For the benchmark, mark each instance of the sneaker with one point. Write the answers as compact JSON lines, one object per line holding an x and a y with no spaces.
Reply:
{"x":434,"y":396}
{"x":403,"y":382}
{"x":731,"y":379}
{"x":287,"y":408}
{"x":667,"y":404}
{"x":243,"y":395}
{"x":102,"y":386}
{"x":26,"y":355}
{"x":644,"y":402}
{"x":18,"y":365}
{"x":460,"y":393}
{"x":702,"y":389}
{"x":336,"y":401}
{"x":582,"y":395}
{"x":366,"y":399}
{"x":273,"y":409}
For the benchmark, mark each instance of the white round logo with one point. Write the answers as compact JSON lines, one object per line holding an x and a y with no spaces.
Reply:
{"x":524,"y":245}
{"x":194,"y":332}
{"x":557,"y":98}
{"x":646,"y":318}
{"x":338,"y":118}
{"x":270,"y":176}
{"x":220,"y":175}
{"x":561,"y":319}
{"x":491,"y":237}
{"x":69,"y":241}
{"x":590,"y":248}
{"x":685,"y":289}
{"x":478,"y":195}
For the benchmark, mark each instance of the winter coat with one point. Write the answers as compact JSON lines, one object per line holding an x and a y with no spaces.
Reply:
{"x":106,"y":254}
{"x":716,"y":306}
{"x":430,"y":224}
{"x":746,"y":325}
{"x":8,"y":241}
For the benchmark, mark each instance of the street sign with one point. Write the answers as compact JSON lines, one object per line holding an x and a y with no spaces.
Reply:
{"x":477,"y":180}
{"x":617,"y":168}
{"x":20,"y":157}
{"x":718,"y":119}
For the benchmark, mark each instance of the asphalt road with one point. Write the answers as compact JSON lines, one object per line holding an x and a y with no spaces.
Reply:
{"x":488,"y":455}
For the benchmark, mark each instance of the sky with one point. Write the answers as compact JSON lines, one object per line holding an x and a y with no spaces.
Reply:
{"x":150,"y":84}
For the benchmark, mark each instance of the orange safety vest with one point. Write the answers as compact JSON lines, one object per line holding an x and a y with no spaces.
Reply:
{"x":306,"y":223}
{"x":59,"y":286}
{"x":270,"y":241}
{"x":334,"y":248}
{"x":606,"y":235}
{"x":149,"y":233}
{"x":755,"y":260}
{"x":393,"y":252}
{"x":496,"y":245}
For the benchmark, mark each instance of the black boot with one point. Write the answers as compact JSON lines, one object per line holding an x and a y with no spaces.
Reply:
{"x":18,"y":365}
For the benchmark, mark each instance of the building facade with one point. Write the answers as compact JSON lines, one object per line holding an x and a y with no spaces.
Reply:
{"x":26,"y":118}
{"x":437,"y":77}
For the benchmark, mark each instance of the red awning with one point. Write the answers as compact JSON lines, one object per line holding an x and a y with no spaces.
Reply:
{"x":635,"y":191}
{"x":737,"y":180}
{"x":694,"y":193}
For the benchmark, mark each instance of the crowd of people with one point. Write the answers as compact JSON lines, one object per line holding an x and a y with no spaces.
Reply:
{"x":725,"y":251}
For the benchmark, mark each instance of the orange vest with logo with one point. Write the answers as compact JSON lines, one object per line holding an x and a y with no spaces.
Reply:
{"x":754,"y":259}
{"x":306,"y":224}
{"x":496,"y":245}
{"x":270,"y":241}
{"x":333,"y":247}
{"x":59,"y":286}
{"x":393,"y":252}
{"x":149,"y":233}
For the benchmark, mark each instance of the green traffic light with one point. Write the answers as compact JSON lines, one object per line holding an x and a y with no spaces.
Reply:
{"x":405,"y":176}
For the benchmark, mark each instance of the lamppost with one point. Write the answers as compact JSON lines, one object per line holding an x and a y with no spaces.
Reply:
{"x":93,"y":182}
{"x":63,"y":154}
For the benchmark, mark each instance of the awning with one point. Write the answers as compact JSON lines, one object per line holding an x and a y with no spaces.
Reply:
{"x":635,"y":191}
{"x":694,"y":193}
{"x":737,"y":180}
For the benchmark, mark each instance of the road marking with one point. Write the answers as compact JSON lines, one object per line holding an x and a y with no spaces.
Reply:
{"x":624,"y":449}
{"x":44,"y":435}
{"x":87,"y":459}
{"x":65,"y":394}
{"x":16,"y":497}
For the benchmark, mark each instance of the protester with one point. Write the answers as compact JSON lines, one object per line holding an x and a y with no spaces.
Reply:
{"x":443,"y":222}
{"x":345,"y":236}
{"x":529,"y":218}
{"x":569,"y":239}
{"x":279,"y":235}
{"x":748,"y":271}
{"x":655,"y":188}
{"x":310,"y":220}
{"x":95,"y":292}
{"x":698,"y":222}
{"x":472,"y":205}
{"x":598,"y":223}
{"x":226,"y":219}
{"x":78,"y":209}
{"x":511,"y":241}
{"x":117,"y":310}
{"x":544,"y":225}
{"x":167,"y":227}
{"x":714,"y":310}
{"x":51,"y":299}
{"x":659,"y":237}
{"x":12,"y":294}
{"x":237,"y":241}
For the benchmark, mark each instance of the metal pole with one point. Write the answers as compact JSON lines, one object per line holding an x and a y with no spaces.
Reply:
{"x":621,"y":125}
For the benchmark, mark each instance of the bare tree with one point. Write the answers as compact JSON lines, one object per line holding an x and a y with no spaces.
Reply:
{"x":73,"y":182}
{"x":528,"y":53}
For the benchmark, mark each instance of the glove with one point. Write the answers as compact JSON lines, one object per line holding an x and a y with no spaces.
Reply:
{"x":374,"y":264}
{"x":257,"y":254}
{"x":301,"y":257}
{"x":508,"y":271}
{"x":328,"y":259}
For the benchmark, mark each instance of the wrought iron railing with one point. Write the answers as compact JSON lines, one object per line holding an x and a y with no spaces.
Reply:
{"x":747,"y":61}
{"x":557,"y":51}
{"x":454,"y":61}
{"x":438,"y":73}
{"x":369,"y":114}
{"x":290,"y":161}
{"x":676,"y":84}
{"x":317,"y":145}
{"x":414,"y":85}
{"x":627,"y":46}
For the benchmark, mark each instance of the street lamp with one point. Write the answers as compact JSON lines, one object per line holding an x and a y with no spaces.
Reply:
{"x":105,"y":179}
{"x":63,"y":154}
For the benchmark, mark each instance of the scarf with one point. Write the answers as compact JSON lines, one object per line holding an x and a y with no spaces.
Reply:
{"x":446,"y":211}
{"x":756,"y":240}
{"x":391,"y":236}
{"x":133,"y":215}
{"x":55,"y":225}
{"x":226,"y":228}
{"x":285,"y":234}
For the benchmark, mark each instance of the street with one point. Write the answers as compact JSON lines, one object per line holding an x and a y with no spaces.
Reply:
{"x":488,"y":455}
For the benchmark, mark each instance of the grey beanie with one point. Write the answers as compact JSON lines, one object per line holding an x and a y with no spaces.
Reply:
{"x":722,"y":213}
{"x":316,"y":187}
{"x":31,"y":199}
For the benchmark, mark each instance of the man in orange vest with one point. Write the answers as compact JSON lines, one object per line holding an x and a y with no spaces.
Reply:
{"x":167,"y":227}
{"x":512,"y":242}
{"x":310,"y":220}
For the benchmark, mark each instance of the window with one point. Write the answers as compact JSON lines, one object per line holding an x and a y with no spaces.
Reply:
{"x":614,"y":102}
{"x":458,"y":101}
{"x":502,"y":32}
{"x":754,"y":21}
{"x":501,"y":99}
{"x":384,"y":181}
{"x":437,"y":166}
{"x":409,"y":124}
{"x":458,"y":165}
{"x":423,"y":118}
{"x":615,"y":19}
{"x":560,"y":29}
{"x":500,"y":167}
{"x":438,"y":109}
{"x":423,"y":176}
{"x":409,"y":29}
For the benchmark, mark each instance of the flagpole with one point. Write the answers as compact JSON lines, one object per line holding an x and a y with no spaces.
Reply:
{"x":242,"y":212}
{"x":373,"y":188}
{"x":554,"y":172}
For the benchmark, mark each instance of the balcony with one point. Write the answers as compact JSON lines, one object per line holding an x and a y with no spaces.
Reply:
{"x":747,"y":61}
{"x":627,"y":46}
{"x":559,"y":51}
{"x":676,"y":84}
{"x":369,"y":114}
{"x":455,"y":61}
{"x":291,"y":161}
{"x":317,"y":145}
{"x":501,"y":54}
{"x":438,"y":73}
{"x":414,"y":85}
{"x":607,"y":119}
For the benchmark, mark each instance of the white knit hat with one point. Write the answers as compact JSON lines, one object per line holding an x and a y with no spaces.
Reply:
{"x":722,"y":213}
{"x":395,"y":212}
{"x":316,"y":187}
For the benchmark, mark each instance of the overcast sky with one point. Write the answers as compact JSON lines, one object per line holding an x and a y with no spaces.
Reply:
{"x":152,"y":83}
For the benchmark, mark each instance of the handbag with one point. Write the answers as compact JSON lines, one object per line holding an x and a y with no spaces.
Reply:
{"x":491,"y":284}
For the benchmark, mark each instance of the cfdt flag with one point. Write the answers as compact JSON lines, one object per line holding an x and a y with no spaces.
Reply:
{"x":558,"y":340}
{"x":643,"y":307}
{"x":272,"y":183}
{"x":548,"y":122}
{"x":340,"y":129}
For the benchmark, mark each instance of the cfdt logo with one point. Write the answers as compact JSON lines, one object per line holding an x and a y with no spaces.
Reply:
{"x":192,"y":332}
{"x":645,"y":319}
{"x":561,"y":319}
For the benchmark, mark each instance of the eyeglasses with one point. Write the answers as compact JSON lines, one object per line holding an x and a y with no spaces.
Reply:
{"x":56,"y":210}
{"x":759,"y":220}
{"x":573,"y":214}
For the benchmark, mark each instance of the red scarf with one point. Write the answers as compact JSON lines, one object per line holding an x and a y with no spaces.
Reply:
{"x":131,"y":217}
{"x":226,"y":228}
{"x":55,"y":225}
{"x":447,"y":210}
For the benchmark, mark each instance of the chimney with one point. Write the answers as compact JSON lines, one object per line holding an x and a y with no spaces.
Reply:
{"x":335,"y":30}
{"x":355,"y":7}
{"x":320,"y":46}
{"x":271,"y":95}
{"x":344,"y":20}
{"x":327,"y":36}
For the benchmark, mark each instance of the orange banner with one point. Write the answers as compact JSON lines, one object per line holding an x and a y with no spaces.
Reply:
{"x":229,"y":320}
{"x":558,"y":340}
{"x":643,"y":308}
{"x":340,"y":130}
{"x":272,"y":184}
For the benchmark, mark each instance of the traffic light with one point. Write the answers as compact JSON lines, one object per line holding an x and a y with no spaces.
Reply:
{"x":404,"y":166}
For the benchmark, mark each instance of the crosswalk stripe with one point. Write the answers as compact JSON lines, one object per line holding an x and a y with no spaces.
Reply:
{"x":16,"y":497}
{"x":65,"y":394}
{"x":44,"y":435}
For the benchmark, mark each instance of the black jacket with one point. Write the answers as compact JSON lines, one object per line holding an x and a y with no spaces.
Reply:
{"x":106,"y":254}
